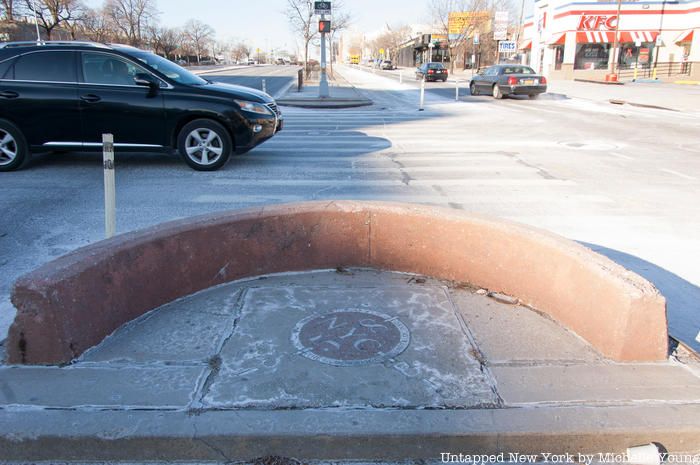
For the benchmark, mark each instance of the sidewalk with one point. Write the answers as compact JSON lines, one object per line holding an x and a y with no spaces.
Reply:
{"x":269,"y":367}
{"x":342,"y":95}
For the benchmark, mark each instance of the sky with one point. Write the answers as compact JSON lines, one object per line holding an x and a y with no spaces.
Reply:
{"x":263,"y":23}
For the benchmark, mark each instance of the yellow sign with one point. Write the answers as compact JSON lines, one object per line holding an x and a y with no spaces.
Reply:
{"x":381,"y":51}
{"x":463,"y":22}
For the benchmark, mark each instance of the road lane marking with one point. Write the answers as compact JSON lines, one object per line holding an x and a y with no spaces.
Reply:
{"x":680,"y":175}
{"x":619,"y":155}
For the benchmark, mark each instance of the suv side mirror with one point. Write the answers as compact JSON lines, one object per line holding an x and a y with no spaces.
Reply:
{"x":146,"y":80}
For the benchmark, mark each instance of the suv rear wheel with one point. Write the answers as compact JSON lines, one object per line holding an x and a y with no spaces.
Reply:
{"x":205,"y":145}
{"x":14,"y":151}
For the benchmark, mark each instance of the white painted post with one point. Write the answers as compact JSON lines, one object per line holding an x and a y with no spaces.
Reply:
{"x":400,"y":77}
{"x":110,"y":188}
{"x":457,"y":90}
{"x":264,"y":86}
{"x":422,"y":94}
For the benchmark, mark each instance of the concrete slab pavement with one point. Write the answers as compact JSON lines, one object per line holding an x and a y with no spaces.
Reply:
{"x":219,"y":376}
{"x":342,"y":95}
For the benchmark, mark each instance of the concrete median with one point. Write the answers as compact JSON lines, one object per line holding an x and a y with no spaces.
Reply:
{"x":73,"y":303}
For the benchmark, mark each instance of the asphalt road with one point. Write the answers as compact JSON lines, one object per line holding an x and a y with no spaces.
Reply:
{"x":624,"y":180}
{"x":277,"y":78}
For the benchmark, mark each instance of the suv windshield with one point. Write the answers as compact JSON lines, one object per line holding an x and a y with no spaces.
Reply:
{"x":167,"y":67}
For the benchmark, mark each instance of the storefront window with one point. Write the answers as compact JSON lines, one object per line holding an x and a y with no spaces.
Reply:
{"x":592,"y":56}
{"x":631,"y":55}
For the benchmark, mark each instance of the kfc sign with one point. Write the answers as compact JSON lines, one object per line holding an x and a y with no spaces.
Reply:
{"x":597,"y":23}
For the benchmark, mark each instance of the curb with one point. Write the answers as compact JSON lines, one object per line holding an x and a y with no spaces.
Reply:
{"x":374,"y":434}
{"x":595,"y":81}
{"x":72,"y":303}
{"x":329,"y":103}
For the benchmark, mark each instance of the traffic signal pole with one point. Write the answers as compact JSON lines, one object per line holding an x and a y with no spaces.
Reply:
{"x":323,"y":83}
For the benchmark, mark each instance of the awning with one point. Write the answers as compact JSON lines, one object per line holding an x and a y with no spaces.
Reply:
{"x":527,"y":45}
{"x":686,"y":36}
{"x":608,"y":37}
{"x":557,"y":39}
{"x":595,"y":37}
{"x":637,"y":36}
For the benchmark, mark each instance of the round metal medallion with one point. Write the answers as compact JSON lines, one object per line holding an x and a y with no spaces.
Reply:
{"x":350,"y":337}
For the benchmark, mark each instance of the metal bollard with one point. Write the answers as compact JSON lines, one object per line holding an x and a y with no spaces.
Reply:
{"x":300,"y":80}
{"x":264,"y":86}
{"x":110,"y":189}
{"x":457,"y":90}
{"x":422,"y":94}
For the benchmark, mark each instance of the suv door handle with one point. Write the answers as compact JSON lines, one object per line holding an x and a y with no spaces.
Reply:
{"x":91,"y":98}
{"x":9,"y":94}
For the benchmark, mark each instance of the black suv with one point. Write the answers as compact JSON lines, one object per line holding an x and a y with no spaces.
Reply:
{"x":62,"y":96}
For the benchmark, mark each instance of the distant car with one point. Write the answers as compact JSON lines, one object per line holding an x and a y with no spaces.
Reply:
{"x":251,"y":62}
{"x":431,"y":72}
{"x":387,"y":64}
{"x":181,"y":62}
{"x":502,"y":80}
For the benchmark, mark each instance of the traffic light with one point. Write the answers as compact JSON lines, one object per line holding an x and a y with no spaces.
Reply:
{"x":324,"y":26}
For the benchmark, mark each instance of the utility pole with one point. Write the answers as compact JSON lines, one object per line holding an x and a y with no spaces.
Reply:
{"x":323,"y":91}
{"x":617,"y":38}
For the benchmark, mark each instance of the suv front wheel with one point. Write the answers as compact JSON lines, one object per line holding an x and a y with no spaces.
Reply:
{"x":14,"y":151}
{"x":204,"y":144}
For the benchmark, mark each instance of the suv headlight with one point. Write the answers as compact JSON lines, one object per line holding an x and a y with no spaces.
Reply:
{"x":254,"y":107}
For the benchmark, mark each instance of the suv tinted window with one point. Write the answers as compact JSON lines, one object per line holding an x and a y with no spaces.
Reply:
{"x":54,"y":66}
{"x":5,"y":68}
{"x":105,"y":68}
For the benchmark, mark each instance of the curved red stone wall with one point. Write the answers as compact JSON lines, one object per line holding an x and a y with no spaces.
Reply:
{"x":73,"y":303}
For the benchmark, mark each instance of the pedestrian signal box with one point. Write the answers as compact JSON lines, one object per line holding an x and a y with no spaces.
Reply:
{"x":324,"y":26}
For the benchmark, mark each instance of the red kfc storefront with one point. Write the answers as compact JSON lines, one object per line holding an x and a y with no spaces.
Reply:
{"x":658,"y":40}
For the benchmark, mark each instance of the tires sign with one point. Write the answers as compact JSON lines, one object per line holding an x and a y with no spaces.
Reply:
{"x":507,"y":46}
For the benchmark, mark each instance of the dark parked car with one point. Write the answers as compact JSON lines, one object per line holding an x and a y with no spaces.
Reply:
{"x":502,"y":80}
{"x":63,"y":96}
{"x":431,"y":72}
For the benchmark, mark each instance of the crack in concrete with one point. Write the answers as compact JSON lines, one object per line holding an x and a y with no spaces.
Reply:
{"x":214,"y":362}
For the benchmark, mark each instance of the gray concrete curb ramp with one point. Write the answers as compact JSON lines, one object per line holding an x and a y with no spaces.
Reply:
{"x":73,"y":303}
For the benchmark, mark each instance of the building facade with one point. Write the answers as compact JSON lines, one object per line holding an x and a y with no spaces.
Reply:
{"x":656,"y":39}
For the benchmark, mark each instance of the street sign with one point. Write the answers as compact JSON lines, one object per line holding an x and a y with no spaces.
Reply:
{"x":381,"y":51}
{"x":476,"y":38}
{"x":500,"y":25}
{"x":322,"y":8}
{"x":659,"y":41}
{"x":507,"y":46}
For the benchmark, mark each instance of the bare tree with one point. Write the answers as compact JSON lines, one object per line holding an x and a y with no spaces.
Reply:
{"x":301,"y":19}
{"x":131,"y":18}
{"x":54,"y":13}
{"x":239,"y":51}
{"x":165,"y":40}
{"x":199,"y":35}
{"x":441,"y":10}
{"x":8,"y":9}
{"x":392,"y":39}
{"x":97,"y":27}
